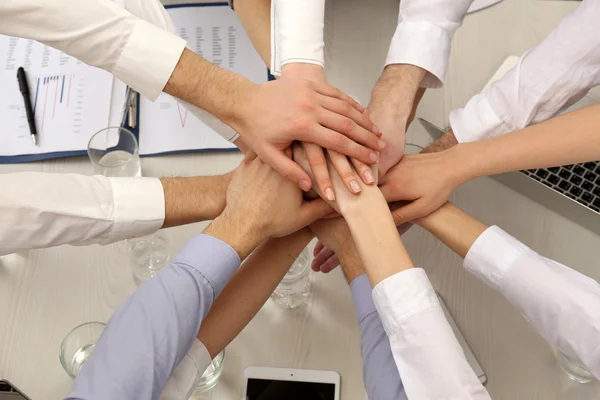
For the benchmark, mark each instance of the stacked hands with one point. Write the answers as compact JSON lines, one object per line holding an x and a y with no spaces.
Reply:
{"x":340,"y":148}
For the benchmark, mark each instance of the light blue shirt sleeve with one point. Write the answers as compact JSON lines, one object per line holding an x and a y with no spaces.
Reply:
{"x":149,"y":334}
{"x":380,"y":375}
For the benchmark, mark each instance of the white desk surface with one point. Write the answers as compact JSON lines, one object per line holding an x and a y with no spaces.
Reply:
{"x":44,"y":293}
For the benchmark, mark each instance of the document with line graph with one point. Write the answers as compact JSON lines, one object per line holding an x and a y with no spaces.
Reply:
{"x":215,"y":33}
{"x":71,"y":100}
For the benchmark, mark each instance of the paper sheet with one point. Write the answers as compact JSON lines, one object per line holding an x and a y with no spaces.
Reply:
{"x":216,"y":34}
{"x":71,"y":100}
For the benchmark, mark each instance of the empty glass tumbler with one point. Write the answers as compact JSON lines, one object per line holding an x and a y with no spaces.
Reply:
{"x":77,"y":346}
{"x":114,"y":152}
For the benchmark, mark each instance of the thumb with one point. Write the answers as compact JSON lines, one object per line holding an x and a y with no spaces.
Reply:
{"x":288,"y":168}
{"x":311,"y":211}
{"x":411,"y":211}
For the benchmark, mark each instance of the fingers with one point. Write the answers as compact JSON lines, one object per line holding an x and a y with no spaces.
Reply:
{"x":414,"y":210}
{"x":350,"y":129}
{"x":364,"y":171}
{"x":344,"y":109}
{"x":332,"y":140}
{"x":330,"y":91}
{"x":318,"y":166}
{"x":345,"y":171}
{"x":318,"y":247}
{"x":288,"y":168}
{"x":325,"y":261}
{"x":311,"y":211}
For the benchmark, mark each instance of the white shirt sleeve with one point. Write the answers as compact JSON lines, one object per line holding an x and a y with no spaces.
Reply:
{"x":297,"y":33}
{"x":424,"y":34}
{"x":101,"y":34}
{"x":548,"y":78}
{"x":561,"y":303}
{"x":43,"y":210}
{"x":428,"y":356}
{"x":186,"y":376}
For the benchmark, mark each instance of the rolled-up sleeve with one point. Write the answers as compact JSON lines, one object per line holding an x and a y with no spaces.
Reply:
{"x":547,"y":79}
{"x":101,"y":34}
{"x":424,"y":34}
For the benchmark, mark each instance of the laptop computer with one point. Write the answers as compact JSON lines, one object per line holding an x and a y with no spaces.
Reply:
{"x":572,"y":190}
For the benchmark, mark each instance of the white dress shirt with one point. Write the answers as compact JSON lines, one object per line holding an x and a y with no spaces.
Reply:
{"x":548,"y":78}
{"x":562,"y":304}
{"x":100,"y":33}
{"x":42,"y":209}
{"x":422,"y":38}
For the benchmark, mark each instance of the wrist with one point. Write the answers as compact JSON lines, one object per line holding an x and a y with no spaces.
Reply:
{"x":463,"y":164}
{"x":398,"y":84}
{"x":303,"y":71}
{"x":237,"y":232}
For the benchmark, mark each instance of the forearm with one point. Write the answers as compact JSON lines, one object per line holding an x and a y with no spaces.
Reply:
{"x":249,"y":289}
{"x":297,"y":33}
{"x":567,"y":139}
{"x":194,"y":199}
{"x":398,"y":86}
{"x":453,"y":227}
{"x":375,"y":234}
{"x":255,"y":16}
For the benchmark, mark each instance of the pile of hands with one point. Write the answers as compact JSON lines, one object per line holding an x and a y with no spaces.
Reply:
{"x":333,"y":139}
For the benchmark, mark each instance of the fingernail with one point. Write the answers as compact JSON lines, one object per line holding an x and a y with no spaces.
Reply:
{"x":355,"y":187}
{"x":369,"y":177}
{"x":375,"y":130}
{"x":329,"y":194}
{"x":373,"y":157}
{"x":305,"y":185}
{"x":381,"y":144}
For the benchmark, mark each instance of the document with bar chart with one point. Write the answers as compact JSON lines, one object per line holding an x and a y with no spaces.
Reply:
{"x":215,"y":33}
{"x":71,"y":100}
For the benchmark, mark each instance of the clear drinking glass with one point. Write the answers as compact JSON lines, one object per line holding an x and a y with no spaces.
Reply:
{"x":114,"y":152}
{"x":573,"y":368}
{"x":294,"y":288}
{"x":77,"y":346}
{"x":149,"y":254}
{"x":211,"y":375}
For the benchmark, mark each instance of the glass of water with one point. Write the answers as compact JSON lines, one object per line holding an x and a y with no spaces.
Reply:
{"x":294,"y":288}
{"x":211,"y":375}
{"x":149,"y":254}
{"x":77,"y":346}
{"x":114,"y":152}
{"x":573,"y":368}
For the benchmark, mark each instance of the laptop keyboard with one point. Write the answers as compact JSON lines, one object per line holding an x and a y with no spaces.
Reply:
{"x":580,"y":182}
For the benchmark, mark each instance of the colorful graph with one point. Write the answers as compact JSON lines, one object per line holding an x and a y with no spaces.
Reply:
{"x":57,"y":89}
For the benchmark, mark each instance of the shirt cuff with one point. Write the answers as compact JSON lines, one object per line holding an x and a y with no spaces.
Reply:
{"x":402,"y":296}
{"x":186,"y":376}
{"x":148,"y":58}
{"x":492,"y":256}
{"x":212,"y":258}
{"x":422,"y":44}
{"x":476,"y":121}
{"x":139,"y":207}
{"x":362,"y":297}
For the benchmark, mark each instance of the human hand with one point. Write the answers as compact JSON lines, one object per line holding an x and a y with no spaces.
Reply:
{"x":393,"y":101}
{"x":261,"y":204}
{"x":427,"y":180}
{"x":316,"y":154}
{"x":326,"y":260}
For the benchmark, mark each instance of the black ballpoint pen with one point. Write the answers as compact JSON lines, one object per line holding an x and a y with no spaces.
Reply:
{"x":24,"y":88}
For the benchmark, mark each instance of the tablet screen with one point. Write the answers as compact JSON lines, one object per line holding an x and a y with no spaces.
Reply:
{"x":266,"y":389}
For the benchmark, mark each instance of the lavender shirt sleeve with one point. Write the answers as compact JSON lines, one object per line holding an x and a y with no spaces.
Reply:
{"x":149,"y":334}
{"x":380,"y":374}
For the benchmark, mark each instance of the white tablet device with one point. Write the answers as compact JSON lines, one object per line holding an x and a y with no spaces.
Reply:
{"x":265,"y":383}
